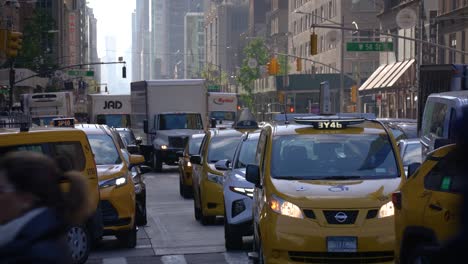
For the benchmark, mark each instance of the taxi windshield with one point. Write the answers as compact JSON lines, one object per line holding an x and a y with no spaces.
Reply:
{"x":222,"y":148}
{"x":333,"y":156}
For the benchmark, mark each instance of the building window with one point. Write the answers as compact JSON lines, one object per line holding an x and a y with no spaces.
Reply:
{"x":454,"y":4}
{"x":452,"y":44}
{"x":330,"y":9}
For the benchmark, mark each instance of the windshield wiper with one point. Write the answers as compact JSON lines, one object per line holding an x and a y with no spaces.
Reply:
{"x":289,"y":178}
{"x":340,"y":177}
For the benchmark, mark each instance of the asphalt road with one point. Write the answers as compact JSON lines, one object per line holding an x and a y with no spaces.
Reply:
{"x":172,"y":235}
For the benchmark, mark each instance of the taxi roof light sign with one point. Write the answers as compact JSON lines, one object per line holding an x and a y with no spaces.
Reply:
{"x":328,"y":122}
{"x":64,"y":122}
{"x":246,"y":120}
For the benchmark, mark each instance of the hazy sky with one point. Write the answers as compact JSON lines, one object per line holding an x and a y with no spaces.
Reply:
{"x":114,"y":19}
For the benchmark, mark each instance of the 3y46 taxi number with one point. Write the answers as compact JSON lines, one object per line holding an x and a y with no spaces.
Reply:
{"x":329,"y":124}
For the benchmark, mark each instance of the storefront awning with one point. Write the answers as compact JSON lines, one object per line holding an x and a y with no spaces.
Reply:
{"x":386,"y":75}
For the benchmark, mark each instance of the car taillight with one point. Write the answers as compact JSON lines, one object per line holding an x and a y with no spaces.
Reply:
{"x":396,"y":199}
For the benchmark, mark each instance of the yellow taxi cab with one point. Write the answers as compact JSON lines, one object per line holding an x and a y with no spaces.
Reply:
{"x":323,"y":189}
{"x":207,"y":181}
{"x":116,"y":186}
{"x":185,"y":166}
{"x":71,"y":149}
{"x":428,"y":206}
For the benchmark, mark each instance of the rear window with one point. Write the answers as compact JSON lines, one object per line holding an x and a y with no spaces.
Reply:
{"x":69,"y":155}
{"x":222,"y":148}
{"x":331,"y":156}
{"x":413,"y":154}
{"x":104,"y":149}
{"x":434,"y":119}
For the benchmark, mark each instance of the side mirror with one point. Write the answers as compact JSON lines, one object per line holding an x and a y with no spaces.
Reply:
{"x":440,"y":142}
{"x":138,"y":140}
{"x":195,"y":159}
{"x":133,"y":149}
{"x":252,"y":174}
{"x":145,"y":126}
{"x":145,"y":169}
{"x":412,"y":168}
{"x":180,"y":153}
{"x":136,"y":159}
{"x":222,"y":165}
{"x":213,"y":123}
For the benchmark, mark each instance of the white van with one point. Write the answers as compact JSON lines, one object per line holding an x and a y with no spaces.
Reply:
{"x":441,"y":112}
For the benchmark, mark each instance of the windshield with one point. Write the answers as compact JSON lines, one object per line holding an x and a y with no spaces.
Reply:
{"x":222,"y":148}
{"x":180,"y":121}
{"x":329,"y":156}
{"x":127,"y":137}
{"x":105,"y":152}
{"x":194,"y":145}
{"x":121,"y":120}
{"x":247,"y":153}
{"x":223,"y":115}
{"x":412,"y":154}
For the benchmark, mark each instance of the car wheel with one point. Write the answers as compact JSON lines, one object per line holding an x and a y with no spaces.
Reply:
{"x":79,"y":241}
{"x":128,"y":238}
{"x":141,"y":218}
{"x":232,"y":240}
{"x":157,"y":164}
{"x":418,"y":254}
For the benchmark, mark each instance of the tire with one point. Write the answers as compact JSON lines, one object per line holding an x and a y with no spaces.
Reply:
{"x":232,"y":241}
{"x":207,"y":220}
{"x":418,"y":254}
{"x":157,"y":164}
{"x":128,"y":238}
{"x":141,"y":217}
{"x":196,"y":211}
{"x":185,"y":191}
{"x":79,"y":242}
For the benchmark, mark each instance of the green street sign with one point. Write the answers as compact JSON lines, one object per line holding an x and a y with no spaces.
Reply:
{"x":369,"y":46}
{"x":214,"y":88}
{"x":81,"y":73}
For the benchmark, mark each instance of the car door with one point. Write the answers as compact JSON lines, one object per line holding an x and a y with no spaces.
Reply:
{"x":259,"y":193}
{"x":442,"y":210}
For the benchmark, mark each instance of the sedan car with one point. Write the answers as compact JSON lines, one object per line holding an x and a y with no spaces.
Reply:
{"x":410,"y":152}
{"x":401,"y":128}
{"x":238,"y":192}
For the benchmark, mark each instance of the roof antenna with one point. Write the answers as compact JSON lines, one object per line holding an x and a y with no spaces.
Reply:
{"x":285,"y":115}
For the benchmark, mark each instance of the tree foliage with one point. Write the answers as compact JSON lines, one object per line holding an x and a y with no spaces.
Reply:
{"x":257,"y":50}
{"x":214,"y":75}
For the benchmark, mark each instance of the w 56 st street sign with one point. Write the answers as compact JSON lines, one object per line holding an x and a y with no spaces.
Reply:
{"x":369,"y":46}
{"x":86,"y":73}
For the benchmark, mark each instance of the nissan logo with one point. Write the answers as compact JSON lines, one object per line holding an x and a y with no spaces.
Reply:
{"x":341,"y":217}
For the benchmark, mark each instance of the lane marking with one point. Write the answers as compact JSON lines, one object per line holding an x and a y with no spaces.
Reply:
{"x":236,"y":257}
{"x":173,"y":259}
{"x":144,"y":246}
{"x":114,"y":261}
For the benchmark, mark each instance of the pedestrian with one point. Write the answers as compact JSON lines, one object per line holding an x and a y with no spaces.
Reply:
{"x":35,"y":213}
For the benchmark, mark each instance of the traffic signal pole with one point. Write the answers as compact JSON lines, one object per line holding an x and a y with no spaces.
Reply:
{"x":12,"y":84}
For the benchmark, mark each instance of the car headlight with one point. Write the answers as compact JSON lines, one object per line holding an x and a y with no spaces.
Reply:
{"x":215,"y":178}
{"x":283,"y":207}
{"x":189,"y":164}
{"x":120,"y":181}
{"x":386,"y":210}
{"x":163,"y":146}
{"x":244,"y":191}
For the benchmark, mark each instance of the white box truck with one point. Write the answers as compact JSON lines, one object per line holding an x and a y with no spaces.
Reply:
{"x":168,"y":112}
{"x":223,"y":108}
{"x":109,"y":109}
{"x":44,"y":107}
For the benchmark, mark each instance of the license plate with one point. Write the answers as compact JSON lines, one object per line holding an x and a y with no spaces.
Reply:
{"x":342,"y":244}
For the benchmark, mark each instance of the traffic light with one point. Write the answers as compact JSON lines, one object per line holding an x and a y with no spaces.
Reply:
{"x":313,"y":44}
{"x":3,"y":37}
{"x":273,"y":66}
{"x":291,"y":109}
{"x":298,"y":64}
{"x":13,"y":44}
{"x":354,"y":94}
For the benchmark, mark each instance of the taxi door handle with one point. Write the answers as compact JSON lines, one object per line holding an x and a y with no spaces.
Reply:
{"x":435,"y":207}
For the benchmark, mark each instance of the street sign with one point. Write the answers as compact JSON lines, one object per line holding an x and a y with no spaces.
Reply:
{"x":369,"y":46}
{"x":80,"y":73}
{"x":214,"y":88}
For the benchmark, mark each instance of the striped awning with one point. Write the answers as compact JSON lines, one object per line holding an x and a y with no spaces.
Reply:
{"x":386,"y":75}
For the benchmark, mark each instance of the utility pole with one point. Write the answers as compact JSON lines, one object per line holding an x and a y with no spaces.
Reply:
{"x":342,"y":100}
{"x":419,"y":56}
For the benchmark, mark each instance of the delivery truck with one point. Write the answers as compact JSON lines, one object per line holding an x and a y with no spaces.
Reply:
{"x":109,"y":109}
{"x":223,"y":108}
{"x":165,"y":113}
{"x":44,"y":107}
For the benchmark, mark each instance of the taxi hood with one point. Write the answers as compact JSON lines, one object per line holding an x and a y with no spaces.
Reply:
{"x":106,"y":172}
{"x":365,"y":193}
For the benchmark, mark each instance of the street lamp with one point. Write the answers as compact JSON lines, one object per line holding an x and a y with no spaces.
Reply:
{"x":342,"y":52}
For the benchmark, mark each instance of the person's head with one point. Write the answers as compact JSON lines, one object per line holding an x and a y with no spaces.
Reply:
{"x":29,"y":180}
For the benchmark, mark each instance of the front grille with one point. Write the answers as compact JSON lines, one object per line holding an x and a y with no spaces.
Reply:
{"x":177,"y":142}
{"x":341,"y":217}
{"x":309,"y":213}
{"x":372,"y":213}
{"x":110,"y":216}
{"x":341,"y":257}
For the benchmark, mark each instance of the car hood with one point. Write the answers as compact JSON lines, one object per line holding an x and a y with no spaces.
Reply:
{"x":338,"y":193}
{"x":106,"y":172}
{"x":179,"y":132}
{"x":237,"y":179}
